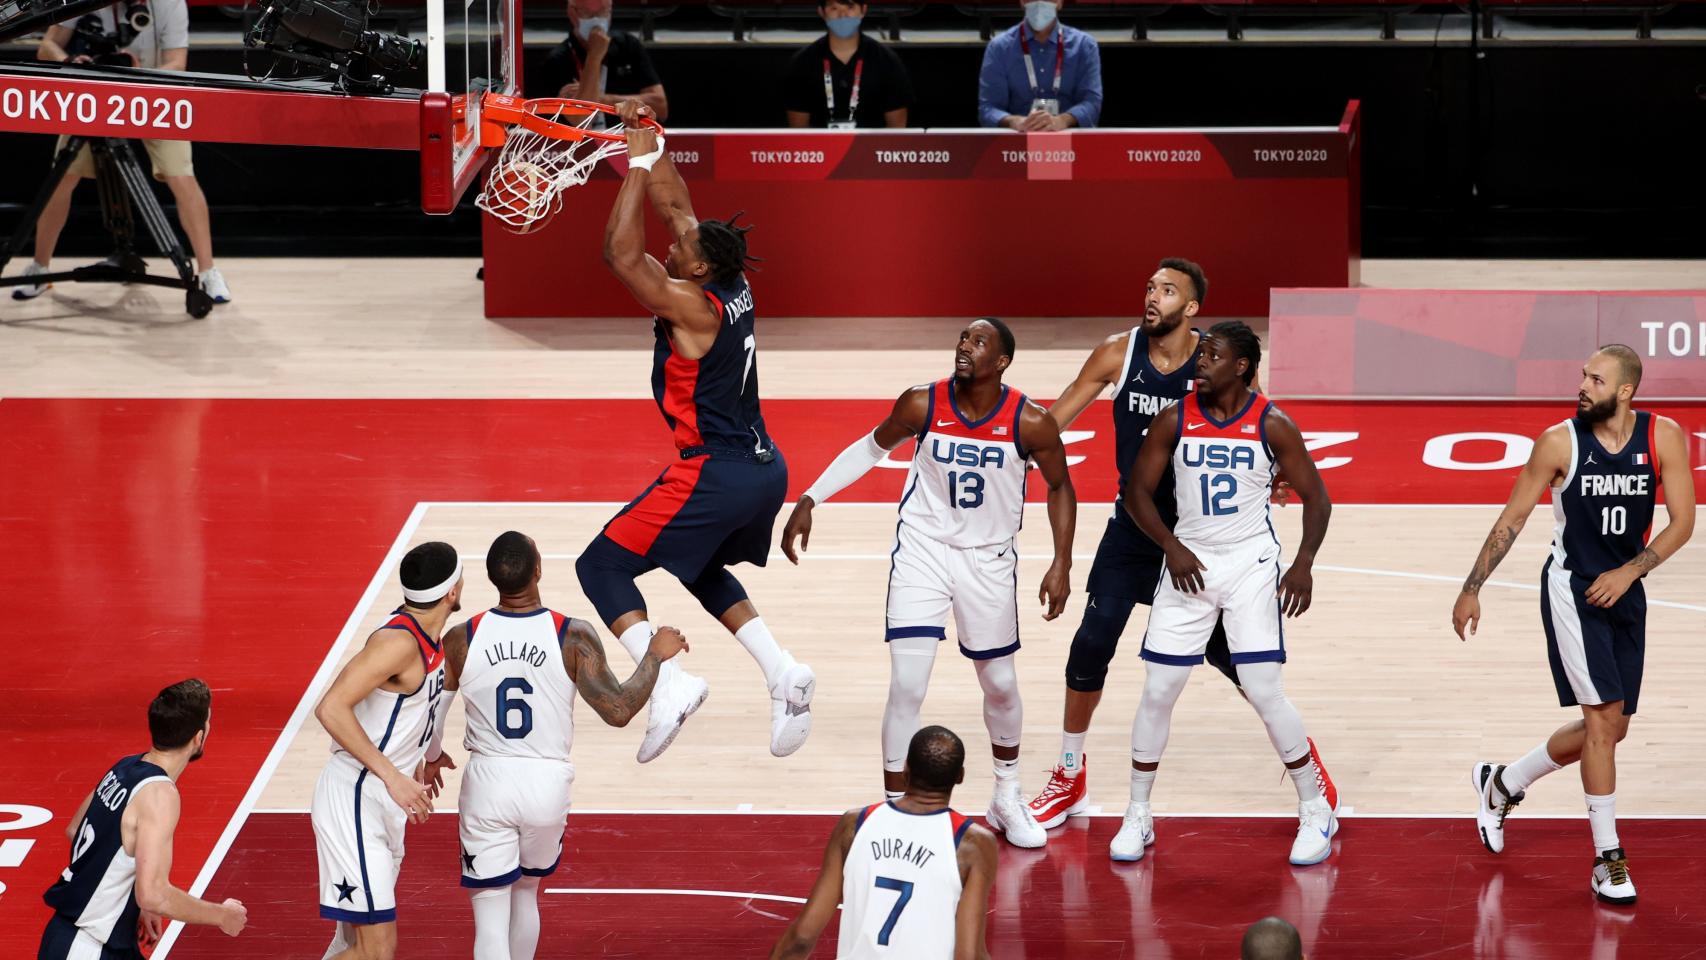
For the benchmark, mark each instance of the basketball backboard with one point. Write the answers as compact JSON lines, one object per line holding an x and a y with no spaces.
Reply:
{"x":473,"y":47}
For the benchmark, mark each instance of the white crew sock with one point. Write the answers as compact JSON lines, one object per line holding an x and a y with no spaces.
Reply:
{"x":1072,"y":753}
{"x":756,"y":638}
{"x":1142,"y":781}
{"x":637,"y":639}
{"x":1303,"y":778}
{"x":1602,"y":816}
{"x":1006,"y":774}
{"x":1534,"y":764}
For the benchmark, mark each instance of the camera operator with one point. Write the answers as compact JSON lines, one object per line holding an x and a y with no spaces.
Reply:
{"x":130,"y":33}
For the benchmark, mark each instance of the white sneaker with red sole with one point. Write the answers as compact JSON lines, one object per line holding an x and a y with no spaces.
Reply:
{"x":1063,"y":797}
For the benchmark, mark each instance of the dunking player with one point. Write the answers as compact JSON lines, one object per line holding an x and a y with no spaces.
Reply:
{"x":121,"y":845}
{"x":519,"y":666}
{"x":1602,"y":467}
{"x":1150,"y":366}
{"x":717,"y":504}
{"x":916,"y":863}
{"x":382,"y":712}
{"x":1225,"y":441}
{"x":955,"y":546}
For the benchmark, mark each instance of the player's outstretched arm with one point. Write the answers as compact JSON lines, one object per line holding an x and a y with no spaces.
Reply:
{"x":679,"y":301}
{"x":1297,"y":586}
{"x":615,"y":702}
{"x":666,"y":190}
{"x":905,"y":420}
{"x":978,"y":859}
{"x":1139,"y":496}
{"x":1041,"y":438}
{"x":156,"y":810}
{"x":1677,"y":477}
{"x":388,"y":653}
{"x":1100,"y":369}
{"x":1549,"y":460}
{"x":802,"y":935}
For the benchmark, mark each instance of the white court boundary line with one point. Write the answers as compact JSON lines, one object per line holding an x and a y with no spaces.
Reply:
{"x":304,"y":707}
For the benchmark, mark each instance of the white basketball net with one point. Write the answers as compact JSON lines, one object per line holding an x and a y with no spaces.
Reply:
{"x":526,"y":183}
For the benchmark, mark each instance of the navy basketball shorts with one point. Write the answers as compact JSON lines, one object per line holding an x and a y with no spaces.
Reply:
{"x":1597,"y":654}
{"x":62,"y":940}
{"x":1126,"y":571}
{"x":713,"y":510}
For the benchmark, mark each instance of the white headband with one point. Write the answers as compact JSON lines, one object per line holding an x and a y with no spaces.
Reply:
{"x":436,"y":593}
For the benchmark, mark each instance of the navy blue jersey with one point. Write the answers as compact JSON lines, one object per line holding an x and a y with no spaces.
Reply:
{"x":1604,"y":508}
{"x":1143,"y":392}
{"x":97,"y":892}
{"x":713,"y":401}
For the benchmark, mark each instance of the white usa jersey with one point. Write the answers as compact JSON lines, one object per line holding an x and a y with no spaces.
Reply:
{"x":519,"y":698}
{"x":966,"y":487}
{"x":900,"y":886}
{"x":401,"y":724}
{"x":1223,"y":474}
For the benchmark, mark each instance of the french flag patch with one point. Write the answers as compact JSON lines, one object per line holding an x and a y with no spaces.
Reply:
{"x":1640,"y":459}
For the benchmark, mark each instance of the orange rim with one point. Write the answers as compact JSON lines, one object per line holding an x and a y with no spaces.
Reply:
{"x":500,"y":111}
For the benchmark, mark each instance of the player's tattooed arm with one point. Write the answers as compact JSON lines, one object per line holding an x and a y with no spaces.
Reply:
{"x":455,"y":655}
{"x":615,"y":702}
{"x":802,"y":935}
{"x":1676,"y":475}
{"x":1548,"y":461}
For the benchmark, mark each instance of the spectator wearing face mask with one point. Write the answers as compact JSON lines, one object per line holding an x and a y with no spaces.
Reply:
{"x":598,"y":64}
{"x":845,"y":79}
{"x":1041,"y":74}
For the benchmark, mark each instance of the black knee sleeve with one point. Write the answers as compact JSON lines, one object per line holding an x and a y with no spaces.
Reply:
{"x":607,"y":570}
{"x":1094,"y":644}
{"x":716,"y":590}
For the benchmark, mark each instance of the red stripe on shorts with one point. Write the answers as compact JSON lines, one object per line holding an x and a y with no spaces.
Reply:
{"x":639,"y":528}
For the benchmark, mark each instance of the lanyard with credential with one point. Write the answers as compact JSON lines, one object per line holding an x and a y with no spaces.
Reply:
{"x":829,"y":90}
{"x":1059,"y":60}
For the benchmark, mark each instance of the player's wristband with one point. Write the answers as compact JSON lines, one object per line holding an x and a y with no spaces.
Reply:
{"x":853,"y":463}
{"x":646,"y":162}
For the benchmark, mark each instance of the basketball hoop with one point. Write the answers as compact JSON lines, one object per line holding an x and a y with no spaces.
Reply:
{"x":548,"y":145}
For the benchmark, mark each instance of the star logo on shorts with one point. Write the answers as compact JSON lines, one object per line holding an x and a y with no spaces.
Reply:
{"x":346,"y":891}
{"x":468,"y":863}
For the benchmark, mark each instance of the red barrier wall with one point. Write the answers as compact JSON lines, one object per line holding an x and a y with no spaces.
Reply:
{"x":1373,"y":344}
{"x":975,"y":222}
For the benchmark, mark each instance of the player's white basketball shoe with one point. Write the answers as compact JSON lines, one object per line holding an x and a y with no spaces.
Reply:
{"x":1611,"y":882}
{"x":29,"y":291}
{"x":1009,"y":814}
{"x":791,"y":708}
{"x":677,"y":695}
{"x":1316,"y":824}
{"x":1493,"y":805}
{"x":1137,"y":832}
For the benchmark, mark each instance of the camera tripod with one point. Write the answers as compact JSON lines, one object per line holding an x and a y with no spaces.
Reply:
{"x":122,"y":186}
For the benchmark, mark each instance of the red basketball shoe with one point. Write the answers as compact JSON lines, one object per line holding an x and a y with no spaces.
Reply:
{"x":1062,"y":798}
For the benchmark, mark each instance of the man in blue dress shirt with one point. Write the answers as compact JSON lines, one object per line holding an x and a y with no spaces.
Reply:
{"x":1041,"y":74}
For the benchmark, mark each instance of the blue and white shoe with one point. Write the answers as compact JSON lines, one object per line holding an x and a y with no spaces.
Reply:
{"x":1316,"y":824}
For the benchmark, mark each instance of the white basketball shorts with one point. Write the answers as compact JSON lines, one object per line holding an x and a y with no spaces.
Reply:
{"x":511,"y":815}
{"x":358,"y":833}
{"x":929,"y":579}
{"x":1239,"y":582}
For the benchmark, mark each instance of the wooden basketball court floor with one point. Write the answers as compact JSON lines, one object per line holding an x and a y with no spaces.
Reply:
{"x":252,"y":538}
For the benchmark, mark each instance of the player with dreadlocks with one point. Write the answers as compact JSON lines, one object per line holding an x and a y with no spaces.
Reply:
{"x":716,"y":504}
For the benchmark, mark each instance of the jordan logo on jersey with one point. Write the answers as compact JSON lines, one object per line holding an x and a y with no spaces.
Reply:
{"x":966,"y":454}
